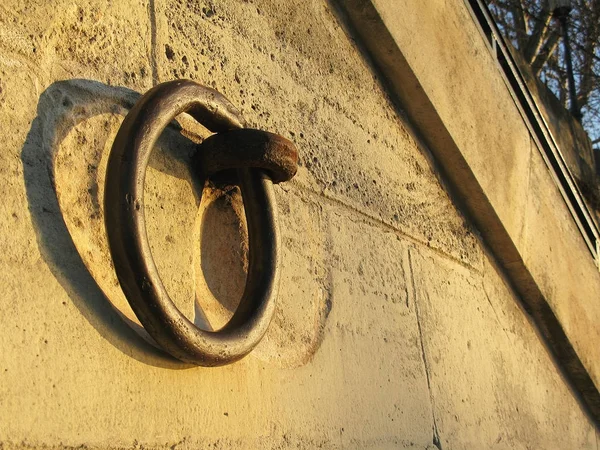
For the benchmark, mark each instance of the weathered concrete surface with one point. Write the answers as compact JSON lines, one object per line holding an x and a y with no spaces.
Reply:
{"x":458,"y":103}
{"x":367,"y":349}
{"x":515,"y":397}
{"x":557,"y":257}
{"x":572,"y":140}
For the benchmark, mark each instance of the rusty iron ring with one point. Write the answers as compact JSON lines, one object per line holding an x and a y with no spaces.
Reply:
{"x":128,"y":241}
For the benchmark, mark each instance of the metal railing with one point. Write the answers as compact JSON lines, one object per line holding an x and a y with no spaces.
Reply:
{"x":538,"y":127}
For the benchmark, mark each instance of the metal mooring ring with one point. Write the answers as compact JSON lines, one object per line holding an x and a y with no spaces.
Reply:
{"x":128,"y":241}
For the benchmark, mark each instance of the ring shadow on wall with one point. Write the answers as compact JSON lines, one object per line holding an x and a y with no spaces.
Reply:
{"x":64,"y":160}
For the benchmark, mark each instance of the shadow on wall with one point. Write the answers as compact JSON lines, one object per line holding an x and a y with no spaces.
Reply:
{"x":63,"y":106}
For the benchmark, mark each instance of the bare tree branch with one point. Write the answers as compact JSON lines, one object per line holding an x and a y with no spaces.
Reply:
{"x":536,"y":40}
{"x":591,"y":43}
{"x":521,"y":28}
{"x":545,"y":52}
{"x":530,"y":27}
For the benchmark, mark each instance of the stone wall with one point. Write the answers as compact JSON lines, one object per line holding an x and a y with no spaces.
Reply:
{"x":572,"y":140}
{"x":393,"y":328}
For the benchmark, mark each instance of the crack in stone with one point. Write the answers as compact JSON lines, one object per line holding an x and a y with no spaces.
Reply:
{"x":436,"y":437}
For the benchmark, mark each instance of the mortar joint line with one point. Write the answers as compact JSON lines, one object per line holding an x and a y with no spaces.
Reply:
{"x":436,"y":435}
{"x":375,"y":221}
